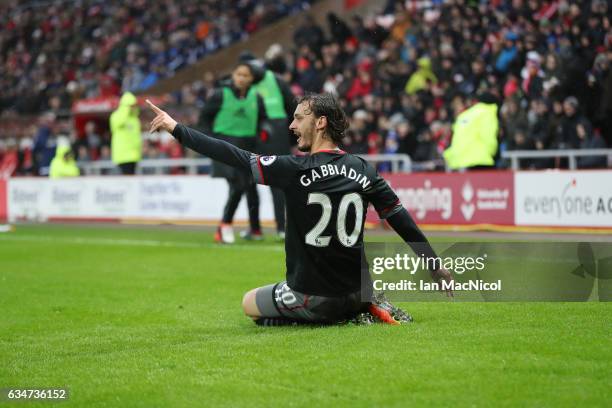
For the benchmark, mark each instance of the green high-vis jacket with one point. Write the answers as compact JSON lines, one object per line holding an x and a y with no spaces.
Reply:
{"x":272,"y":96}
{"x":237,"y":117}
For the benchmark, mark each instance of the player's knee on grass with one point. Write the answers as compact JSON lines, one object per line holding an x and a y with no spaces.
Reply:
{"x":249,"y":304}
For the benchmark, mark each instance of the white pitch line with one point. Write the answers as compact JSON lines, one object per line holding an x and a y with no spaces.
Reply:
{"x":137,"y":242}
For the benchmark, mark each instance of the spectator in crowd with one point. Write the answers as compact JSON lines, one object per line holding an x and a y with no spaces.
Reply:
{"x":522,"y":141}
{"x":26,"y":157}
{"x":555,"y":124}
{"x":173,"y":150}
{"x":126,"y":142}
{"x":275,"y":61}
{"x":422,"y":78}
{"x":105,"y":155}
{"x":568,"y":138}
{"x":9,"y":159}
{"x":150,"y":151}
{"x":532,"y":76}
{"x":552,"y":73}
{"x":426,"y":147}
{"x":83,"y":153}
{"x":538,"y":119}
{"x":590,"y":140}
{"x":44,"y":144}
{"x":338,"y":29}
{"x":358,"y":132}
{"x":600,"y":81}
{"x":63,"y":164}
{"x":234,"y":113}
{"x":508,"y":54}
{"x":513,"y":117}
{"x":92,"y":140}
{"x":363,"y":83}
{"x":309,"y":34}
{"x":406,"y":136}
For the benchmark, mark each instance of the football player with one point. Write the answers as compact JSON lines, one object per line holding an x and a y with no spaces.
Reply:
{"x":327,"y":193}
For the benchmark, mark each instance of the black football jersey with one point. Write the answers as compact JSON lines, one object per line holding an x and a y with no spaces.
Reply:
{"x":327,"y":195}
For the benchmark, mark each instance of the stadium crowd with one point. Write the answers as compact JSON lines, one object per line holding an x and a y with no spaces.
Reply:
{"x":404,"y":75}
{"x":56,"y":52}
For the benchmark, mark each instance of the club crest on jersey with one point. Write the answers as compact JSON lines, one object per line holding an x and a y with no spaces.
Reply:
{"x":267,"y":160}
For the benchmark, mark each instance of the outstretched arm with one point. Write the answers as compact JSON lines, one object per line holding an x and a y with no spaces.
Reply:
{"x":214,"y":148}
{"x":389,"y":207}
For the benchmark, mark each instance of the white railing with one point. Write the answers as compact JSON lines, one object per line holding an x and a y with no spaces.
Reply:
{"x":398,"y":162}
{"x":516,"y":155}
{"x":147,"y":166}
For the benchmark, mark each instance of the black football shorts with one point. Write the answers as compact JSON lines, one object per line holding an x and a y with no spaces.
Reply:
{"x":279,"y":300}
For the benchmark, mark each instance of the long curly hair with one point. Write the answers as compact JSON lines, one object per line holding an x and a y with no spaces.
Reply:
{"x":325,"y":104}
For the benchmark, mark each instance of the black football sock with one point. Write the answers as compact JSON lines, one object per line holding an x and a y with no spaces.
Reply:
{"x":283,"y":321}
{"x":276,"y":321}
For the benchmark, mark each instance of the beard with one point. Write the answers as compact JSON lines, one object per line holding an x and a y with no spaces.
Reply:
{"x":303,"y":148}
{"x":304,"y":144}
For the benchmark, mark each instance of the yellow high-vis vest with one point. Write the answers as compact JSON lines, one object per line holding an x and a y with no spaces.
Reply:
{"x":474,"y":141}
{"x":126,"y":142}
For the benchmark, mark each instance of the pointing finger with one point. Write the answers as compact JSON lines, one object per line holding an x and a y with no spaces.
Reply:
{"x":155,"y":108}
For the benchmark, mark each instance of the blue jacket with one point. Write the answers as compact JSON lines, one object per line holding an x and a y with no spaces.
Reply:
{"x":505,"y":58}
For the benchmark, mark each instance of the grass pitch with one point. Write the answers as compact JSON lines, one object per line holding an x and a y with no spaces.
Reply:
{"x":151,"y":318}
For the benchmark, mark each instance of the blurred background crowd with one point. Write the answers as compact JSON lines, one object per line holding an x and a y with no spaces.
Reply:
{"x":403,"y":74}
{"x":52,"y":53}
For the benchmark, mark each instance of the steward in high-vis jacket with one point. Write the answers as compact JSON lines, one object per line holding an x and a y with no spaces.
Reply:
{"x":63,"y":164}
{"x":126,"y":142}
{"x":233,"y":113}
{"x":279,"y":103}
{"x":474,"y":143}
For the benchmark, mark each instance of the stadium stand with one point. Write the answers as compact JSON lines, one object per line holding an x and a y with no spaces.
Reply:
{"x":53,"y":53}
{"x":404,"y":73}
{"x":74,"y":49}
